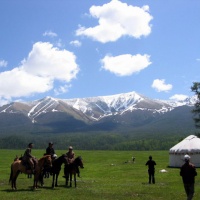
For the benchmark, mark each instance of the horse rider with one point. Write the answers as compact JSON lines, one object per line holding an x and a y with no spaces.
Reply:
{"x":71,"y":157}
{"x":28,"y":158}
{"x":50,"y":151}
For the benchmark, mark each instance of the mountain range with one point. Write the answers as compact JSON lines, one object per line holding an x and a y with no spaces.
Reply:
{"x":126,"y":112}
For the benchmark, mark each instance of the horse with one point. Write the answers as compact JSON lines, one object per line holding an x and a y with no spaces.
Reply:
{"x":17,"y":167}
{"x":71,"y":169}
{"x":55,"y":170}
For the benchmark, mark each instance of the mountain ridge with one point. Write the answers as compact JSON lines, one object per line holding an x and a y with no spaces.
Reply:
{"x":114,"y":112}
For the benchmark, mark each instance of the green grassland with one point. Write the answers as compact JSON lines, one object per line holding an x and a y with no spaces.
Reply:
{"x":107,"y":175}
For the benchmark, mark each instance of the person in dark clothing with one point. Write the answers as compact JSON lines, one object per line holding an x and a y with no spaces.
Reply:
{"x":188,"y":173}
{"x":50,"y":150}
{"x":151,"y":169}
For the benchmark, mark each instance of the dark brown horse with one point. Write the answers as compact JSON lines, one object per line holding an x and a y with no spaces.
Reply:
{"x":55,"y":170}
{"x":71,"y":170}
{"x":17,"y":167}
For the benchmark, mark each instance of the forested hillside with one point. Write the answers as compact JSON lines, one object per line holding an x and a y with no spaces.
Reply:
{"x":94,"y":141}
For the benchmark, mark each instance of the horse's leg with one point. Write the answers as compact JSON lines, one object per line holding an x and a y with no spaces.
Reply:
{"x":67,"y":179}
{"x":36,"y":178}
{"x":14,"y":186}
{"x":11,"y":177}
{"x":75,"y":179}
{"x":41,"y":179}
{"x":53,"y":180}
{"x":70,"y":180}
{"x":57,"y":174}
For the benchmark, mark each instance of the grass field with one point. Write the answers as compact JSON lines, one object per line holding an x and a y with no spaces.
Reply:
{"x":107,"y":175}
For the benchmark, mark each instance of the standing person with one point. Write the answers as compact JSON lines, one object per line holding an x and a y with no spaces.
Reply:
{"x":151,"y":169}
{"x":50,"y":150}
{"x":28,"y":158}
{"x":188,"y":173}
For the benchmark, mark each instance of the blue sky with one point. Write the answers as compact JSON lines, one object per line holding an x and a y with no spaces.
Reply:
{"x":75,"y":49}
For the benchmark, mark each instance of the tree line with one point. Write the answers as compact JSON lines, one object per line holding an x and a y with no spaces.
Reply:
{"x":92,"y":141}
{"x":103,"y":140}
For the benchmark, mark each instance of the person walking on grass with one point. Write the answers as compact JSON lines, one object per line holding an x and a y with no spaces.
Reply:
{"x":151,"y":170}
{"x":188,"y":173}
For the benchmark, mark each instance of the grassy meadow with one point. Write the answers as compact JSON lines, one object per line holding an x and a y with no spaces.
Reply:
{"x":107,"y":175}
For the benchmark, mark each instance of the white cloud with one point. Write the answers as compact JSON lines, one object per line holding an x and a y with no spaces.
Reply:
{"x":44,"y":65}
{"x":161,"y":86}
{"x":50,"y":34}
{"x":178,"y":97}
{"x":3,"y":63}
{"x":3,"y":101}
{"x":62,"y":89}
{"x":125,"y":65}
{"x":76,"y":43}
{"x":117,"y":19}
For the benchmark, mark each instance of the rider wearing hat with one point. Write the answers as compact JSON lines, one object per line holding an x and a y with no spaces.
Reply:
{"x":71,"y":157}
{"x":50,"y":150}
{"x":28,"y":158}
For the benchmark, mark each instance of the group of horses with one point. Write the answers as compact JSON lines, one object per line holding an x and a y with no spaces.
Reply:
{"x":47,"y":164}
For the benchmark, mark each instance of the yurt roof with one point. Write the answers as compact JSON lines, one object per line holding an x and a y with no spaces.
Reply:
{"x":190,"y":144}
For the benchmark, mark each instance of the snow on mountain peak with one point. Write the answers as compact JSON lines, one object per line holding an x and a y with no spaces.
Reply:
{"x":96,"y":108}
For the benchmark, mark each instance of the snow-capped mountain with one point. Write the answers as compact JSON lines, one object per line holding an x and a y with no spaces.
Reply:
{"x":131,"y":109}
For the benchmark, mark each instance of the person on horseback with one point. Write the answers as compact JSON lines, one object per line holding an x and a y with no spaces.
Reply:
{"x":50,"y":151}
{"x":28,"y":158}
{"x":71,"y":157}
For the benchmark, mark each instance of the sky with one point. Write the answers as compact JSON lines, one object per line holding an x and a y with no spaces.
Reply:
{"x":86,"y":48}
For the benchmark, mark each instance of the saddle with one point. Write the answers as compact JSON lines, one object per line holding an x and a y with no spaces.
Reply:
{"x":26,"y":164}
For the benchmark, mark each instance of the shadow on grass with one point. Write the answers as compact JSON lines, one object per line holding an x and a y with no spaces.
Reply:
{"x":30,"y":189}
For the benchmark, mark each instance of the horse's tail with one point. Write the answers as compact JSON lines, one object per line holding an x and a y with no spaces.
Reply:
{"x":11,"y":173}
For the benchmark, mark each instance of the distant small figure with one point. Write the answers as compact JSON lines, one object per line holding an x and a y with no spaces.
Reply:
{"x":151,"y":169}
{"x":133,"y":159}
{"x":188,"y":173}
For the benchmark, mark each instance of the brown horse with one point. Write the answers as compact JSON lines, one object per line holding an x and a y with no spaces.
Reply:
{"x":71,"y":169}
{"x":17,"y":167}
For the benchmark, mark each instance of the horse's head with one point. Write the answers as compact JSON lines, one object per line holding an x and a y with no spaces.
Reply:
{"x":79,"y":161}
{"x":48,"y":160}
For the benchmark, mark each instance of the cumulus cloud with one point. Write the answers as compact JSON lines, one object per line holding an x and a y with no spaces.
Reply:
{"x":37,"y":73}
{"x":76,"y":43}
{"x":3,"y":63}
{"x":125,"y":65}
{"x":50,"y":34}
{"x":178,"y":97}
{"x":160,"y":85}
{"x":62,"y":89}
{"x":117,"y":19}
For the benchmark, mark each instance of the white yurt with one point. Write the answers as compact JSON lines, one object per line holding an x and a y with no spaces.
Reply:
{"x":191,"y":146}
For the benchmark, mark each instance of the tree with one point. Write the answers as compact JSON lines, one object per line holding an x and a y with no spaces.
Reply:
{"x":196,"y":89}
